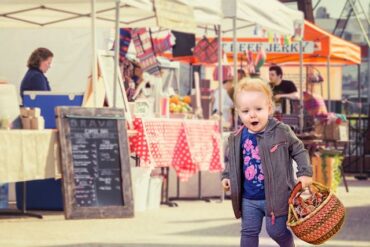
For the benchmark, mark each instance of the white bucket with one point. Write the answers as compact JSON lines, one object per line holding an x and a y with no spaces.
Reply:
{"x":154,"y":195}
{"x":140,"y":183}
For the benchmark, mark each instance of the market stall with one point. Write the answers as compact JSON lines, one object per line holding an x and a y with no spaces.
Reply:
{"x":76,"y":13}
{"x":322,"y":56}
{"x":187,"y":131}
{"x":330,"y":51}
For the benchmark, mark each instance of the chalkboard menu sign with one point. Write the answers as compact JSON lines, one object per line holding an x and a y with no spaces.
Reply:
{"x":95,"y":163}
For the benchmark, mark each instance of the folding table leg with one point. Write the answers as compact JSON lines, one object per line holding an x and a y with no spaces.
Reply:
{"x":23,"y":212}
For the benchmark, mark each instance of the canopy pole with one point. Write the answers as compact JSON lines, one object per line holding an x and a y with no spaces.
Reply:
{"x":328,"y":86}
{"x":368,"y":71}
{"x":220,"y":78}
{"x":94,"y":56}
{"x":301,"y":108}
{"x":235,"y":67}
{"x":116,"y":54}
{"x":235,"y":53}
{"x":359,"y":90}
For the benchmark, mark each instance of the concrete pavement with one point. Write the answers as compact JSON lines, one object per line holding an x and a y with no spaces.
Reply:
{"x":194,"y":223}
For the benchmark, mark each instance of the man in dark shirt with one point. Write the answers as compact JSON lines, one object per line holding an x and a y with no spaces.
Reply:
{"x":282,"y":89}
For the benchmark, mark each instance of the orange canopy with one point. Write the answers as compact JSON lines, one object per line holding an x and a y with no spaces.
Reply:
{"x":326,"y":46}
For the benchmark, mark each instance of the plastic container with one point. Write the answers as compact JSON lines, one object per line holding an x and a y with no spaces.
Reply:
{"x":154,"y":193}
{"x":4,"y":194}
{"x":140,"y":184}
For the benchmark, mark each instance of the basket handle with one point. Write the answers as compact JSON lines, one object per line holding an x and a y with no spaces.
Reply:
{"x":298,"y":187}
{"x":292,"y":212}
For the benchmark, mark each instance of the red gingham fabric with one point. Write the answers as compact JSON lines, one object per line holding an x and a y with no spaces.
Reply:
{"x":186,"y":145}
{"x":138,"y":143}
{"x":201,"y":135}
{"x":182,"y":161}
{"x":161,"y":139}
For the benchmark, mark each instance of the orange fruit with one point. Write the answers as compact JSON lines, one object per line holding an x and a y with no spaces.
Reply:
{"x":175,"y":99}
{"x":187,"y":99}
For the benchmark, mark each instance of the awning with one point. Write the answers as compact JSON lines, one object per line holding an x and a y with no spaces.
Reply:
{"x":326,"y":46}
{"x":318,"y":46}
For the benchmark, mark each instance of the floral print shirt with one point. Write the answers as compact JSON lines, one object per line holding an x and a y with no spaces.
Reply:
{"x":253,"y":179}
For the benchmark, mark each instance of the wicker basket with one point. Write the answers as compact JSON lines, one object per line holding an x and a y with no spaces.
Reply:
{"x":321,"y":224}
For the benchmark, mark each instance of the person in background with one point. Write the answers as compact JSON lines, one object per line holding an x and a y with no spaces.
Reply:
{"x":38,"y":64}
{"x":259,"y":170}
{"x":138,"y":74}
{"x":282,"y":89}
{"x":227,"y":102}
{"x":133,"y":79}
{"x":241,"y":74}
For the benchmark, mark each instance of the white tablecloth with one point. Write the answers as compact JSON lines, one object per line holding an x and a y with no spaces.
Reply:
{"x":29,"y":155}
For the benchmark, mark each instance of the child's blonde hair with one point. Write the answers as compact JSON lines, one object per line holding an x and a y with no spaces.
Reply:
{"x":256,"y":85}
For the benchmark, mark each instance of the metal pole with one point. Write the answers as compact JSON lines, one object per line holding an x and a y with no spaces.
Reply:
{"x":359,"y":88}
{"x":301,"y":117}
{"x":368,"y":69}
{"x":94,"y":56}
{"x":235,"y":53}
{"x":235,"y":66}
{"x":328,"y":86}
{"x":116,"y":54}
{"x":362,"y":135}
{"x":220,"y":78}
{"x":360,"y":21}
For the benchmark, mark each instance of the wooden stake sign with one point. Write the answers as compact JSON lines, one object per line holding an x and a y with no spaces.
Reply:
{"x":95,"y":163}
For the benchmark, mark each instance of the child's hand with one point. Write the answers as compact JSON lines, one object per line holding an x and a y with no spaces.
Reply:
{"x":306,"y":181}
{"x":226,"y":184}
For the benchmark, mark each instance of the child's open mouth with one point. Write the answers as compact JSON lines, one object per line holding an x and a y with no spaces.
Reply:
{"x":254,"y":123}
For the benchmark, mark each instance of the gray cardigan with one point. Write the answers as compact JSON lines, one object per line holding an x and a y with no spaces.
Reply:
{"x":278,"y":145}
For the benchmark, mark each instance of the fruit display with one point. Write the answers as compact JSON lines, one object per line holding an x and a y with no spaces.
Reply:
{"x":180,"y":104}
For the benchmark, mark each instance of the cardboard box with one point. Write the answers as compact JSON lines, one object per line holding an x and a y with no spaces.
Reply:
{"x":336,"y":132}
{"x":26,"y":123}
{"x":24,"y":111}
{"x":204,"y":83}
{"x":34,"y":112}
{"x":30,"y":112}
{"x":37,"y":123}
{"x":207,"y":107}
{"x":319,"y":129}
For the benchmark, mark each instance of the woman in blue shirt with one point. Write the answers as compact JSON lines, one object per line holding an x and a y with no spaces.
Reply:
{"x":38,"y":64}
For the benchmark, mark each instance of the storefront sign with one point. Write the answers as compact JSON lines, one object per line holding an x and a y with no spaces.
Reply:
{"x":308,"y":47}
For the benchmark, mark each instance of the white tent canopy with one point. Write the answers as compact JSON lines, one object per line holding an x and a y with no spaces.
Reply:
{"x":76,"y":13}
{"x":269,"y":14}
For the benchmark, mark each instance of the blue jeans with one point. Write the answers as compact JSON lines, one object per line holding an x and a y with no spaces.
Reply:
{"x":252,"y":216}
